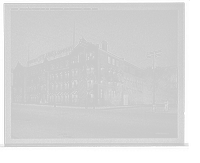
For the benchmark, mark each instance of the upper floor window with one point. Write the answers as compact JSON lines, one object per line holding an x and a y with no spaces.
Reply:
{"x":61,"y":64}
{"x":113,"y":61}
{"x":109,"y":59}
{"x":126,"y":68}
{"x":67,"y":63}
{"x":90,"y":56}
{"x":117,"y":63}
{"x":81,"y":57}
{"x":57,"y":65}
{"x":74,"y":60}
{"x":101,"y":93}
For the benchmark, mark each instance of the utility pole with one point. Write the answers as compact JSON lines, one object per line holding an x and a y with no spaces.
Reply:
{"x":74,"y":34}
{"x":54,"y":92}
{"x":83,"y":44}
{"x":154,"y":55}
{"x":28,"y":57}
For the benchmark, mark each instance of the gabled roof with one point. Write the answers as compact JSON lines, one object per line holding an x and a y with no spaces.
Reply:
{"x":18,"y":67}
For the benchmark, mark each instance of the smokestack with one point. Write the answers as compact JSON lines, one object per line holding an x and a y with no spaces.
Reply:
{"x":104,"y":46}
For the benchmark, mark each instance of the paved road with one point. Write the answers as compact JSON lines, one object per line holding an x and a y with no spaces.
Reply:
{"x":30,"y":121}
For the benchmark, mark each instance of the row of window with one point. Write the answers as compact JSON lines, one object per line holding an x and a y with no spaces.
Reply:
{"x":81,"y":56}
{"x":64,"y":75}
{"x":113,"y":61}
{"x":58,"y":65}
{"x":132,"y":80}
{"x":110,"y":93}
{"x":62,"y":64}
{"x":18,"y":74}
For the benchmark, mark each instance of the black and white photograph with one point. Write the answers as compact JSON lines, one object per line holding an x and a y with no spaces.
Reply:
{"x":94,"y":74}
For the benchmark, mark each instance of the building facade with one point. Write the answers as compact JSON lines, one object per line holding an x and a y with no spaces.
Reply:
{"x":86,"y":75}
{"x":19,"y":83}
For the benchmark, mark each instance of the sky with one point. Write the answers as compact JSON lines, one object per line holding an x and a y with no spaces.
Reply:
{"x":131,"y":34}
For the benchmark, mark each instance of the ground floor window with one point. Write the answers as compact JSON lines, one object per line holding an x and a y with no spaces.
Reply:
{"x":66,"y":99}
{"x":91,"y":98}
{"x":58,"y":98}
{"x":101,"y":93}
{"x":74,"y":98}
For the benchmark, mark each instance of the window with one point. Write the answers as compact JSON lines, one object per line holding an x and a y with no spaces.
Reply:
{"x":61,"y":64}
{"x":114,"y":93}
{"x":74,"y":73}
{"x":52,"y":86}
{"x":101,"y":93}
{"x":126,"y":68}
{"x":74,"y":60}
{"x":66,"y":75}
{"x":67,"y":63}
{"x":81,"y":57}
{"x":113,"y":61}
{"x":117,"y":63}
{"x":90,"y":56}
{"x":109,"y":59}
{"x":110,"y":93}
{"x":132,"y":70}
{"x":57,"y":65}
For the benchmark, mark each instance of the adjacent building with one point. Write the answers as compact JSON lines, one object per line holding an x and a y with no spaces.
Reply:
{"x":85,"y":75}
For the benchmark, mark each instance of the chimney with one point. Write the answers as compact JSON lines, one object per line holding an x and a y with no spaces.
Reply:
{"x":104,"y":46}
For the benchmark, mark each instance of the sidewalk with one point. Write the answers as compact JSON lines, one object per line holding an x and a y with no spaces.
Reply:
{"x":161,"y":110}
{"x":143,"y":108}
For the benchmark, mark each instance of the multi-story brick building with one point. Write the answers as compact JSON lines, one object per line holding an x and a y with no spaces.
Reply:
{"x":86,"y":75}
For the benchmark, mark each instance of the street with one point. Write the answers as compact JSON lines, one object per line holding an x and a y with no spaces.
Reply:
{"x":37,"y":122}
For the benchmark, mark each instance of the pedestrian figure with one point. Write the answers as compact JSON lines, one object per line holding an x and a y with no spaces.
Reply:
{"x":166,"y":105}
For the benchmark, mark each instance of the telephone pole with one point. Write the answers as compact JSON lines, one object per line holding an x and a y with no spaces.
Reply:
{"x":154,"y":82}
{"x":84,"y":45}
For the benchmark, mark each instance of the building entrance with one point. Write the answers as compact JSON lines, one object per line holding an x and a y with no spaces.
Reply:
{"x":125,"y":99}
{"x":43,"y":97}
